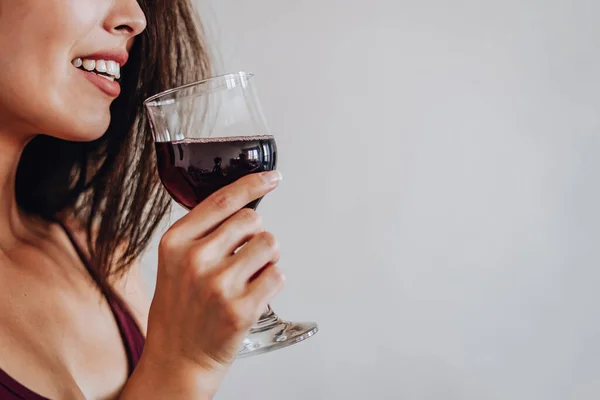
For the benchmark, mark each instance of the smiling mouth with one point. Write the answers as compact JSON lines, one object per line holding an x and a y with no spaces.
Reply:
{"x":107,"y":69}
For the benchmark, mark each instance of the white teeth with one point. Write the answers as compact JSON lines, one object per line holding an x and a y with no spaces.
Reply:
{"x":109,"y":78}
{"x":101,"y":66}
{"x":89,"y":64}
{"x":107,"y":67}
{"x":112,"y":68}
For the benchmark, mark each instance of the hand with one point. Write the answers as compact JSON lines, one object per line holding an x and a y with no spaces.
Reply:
{"x":208,"y":295}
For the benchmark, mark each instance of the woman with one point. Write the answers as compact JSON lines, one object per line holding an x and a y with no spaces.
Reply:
{"x":81,"y":198}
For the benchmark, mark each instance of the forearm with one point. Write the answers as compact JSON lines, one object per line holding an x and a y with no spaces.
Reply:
{"x":150,"y":381}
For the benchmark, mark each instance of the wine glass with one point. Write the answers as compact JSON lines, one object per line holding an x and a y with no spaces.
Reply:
{"x":207,"y":135}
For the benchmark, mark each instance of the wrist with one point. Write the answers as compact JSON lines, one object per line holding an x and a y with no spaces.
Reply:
{"x":174,"y":378}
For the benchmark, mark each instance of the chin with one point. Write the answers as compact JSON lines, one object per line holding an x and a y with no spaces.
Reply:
{"x":83,"y":129}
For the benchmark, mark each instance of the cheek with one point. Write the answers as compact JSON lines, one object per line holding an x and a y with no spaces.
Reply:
{"x":39,"y":90}
{"x":59,"y":103}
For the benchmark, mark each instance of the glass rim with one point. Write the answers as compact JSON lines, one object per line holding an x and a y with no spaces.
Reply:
{"x":240,"y":74}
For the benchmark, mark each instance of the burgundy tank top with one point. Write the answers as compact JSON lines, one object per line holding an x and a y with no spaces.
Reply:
{"x":132,"y":336}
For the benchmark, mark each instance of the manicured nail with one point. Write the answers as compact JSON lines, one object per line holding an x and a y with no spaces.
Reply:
{"x":272,"y":177}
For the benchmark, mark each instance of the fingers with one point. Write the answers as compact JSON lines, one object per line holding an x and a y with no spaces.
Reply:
{"x":222,"y":204}
{"x":261,"y":250}
{"x":236,"y":231}
{"x":249,"y":274}
{"x":265,"y":287}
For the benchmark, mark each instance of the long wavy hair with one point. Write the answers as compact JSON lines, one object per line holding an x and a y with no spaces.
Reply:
{"x":111,"y":185}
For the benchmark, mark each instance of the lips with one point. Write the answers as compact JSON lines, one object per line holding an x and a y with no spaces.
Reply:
{"x":103,"y":70}
{"x":111,"y":88}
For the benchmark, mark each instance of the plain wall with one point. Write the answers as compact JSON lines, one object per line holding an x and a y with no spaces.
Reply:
{"x":439,"y":210}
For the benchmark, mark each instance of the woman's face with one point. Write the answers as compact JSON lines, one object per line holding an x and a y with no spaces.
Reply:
{"x":41,"y":44}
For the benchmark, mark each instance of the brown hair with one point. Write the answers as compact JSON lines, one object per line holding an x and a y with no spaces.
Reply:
{"x":111,"y":184}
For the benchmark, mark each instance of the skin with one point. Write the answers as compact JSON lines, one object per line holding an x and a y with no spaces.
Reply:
{"x":57,"y":334}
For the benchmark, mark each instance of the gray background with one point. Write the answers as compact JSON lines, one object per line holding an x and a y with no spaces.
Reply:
{"x":439,"y":210}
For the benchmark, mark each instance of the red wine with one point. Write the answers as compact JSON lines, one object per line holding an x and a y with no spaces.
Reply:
{"x":193,"y":169}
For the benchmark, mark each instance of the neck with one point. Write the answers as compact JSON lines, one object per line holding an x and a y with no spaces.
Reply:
{"x":14,"y":223}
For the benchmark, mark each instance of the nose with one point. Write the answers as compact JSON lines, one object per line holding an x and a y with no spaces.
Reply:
{"x":125,"y":18}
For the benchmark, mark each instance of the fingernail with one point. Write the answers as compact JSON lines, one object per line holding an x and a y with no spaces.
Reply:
{"x":272,"y":177}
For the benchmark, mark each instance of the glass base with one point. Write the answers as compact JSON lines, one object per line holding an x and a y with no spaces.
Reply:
{"x":272,"y":333}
